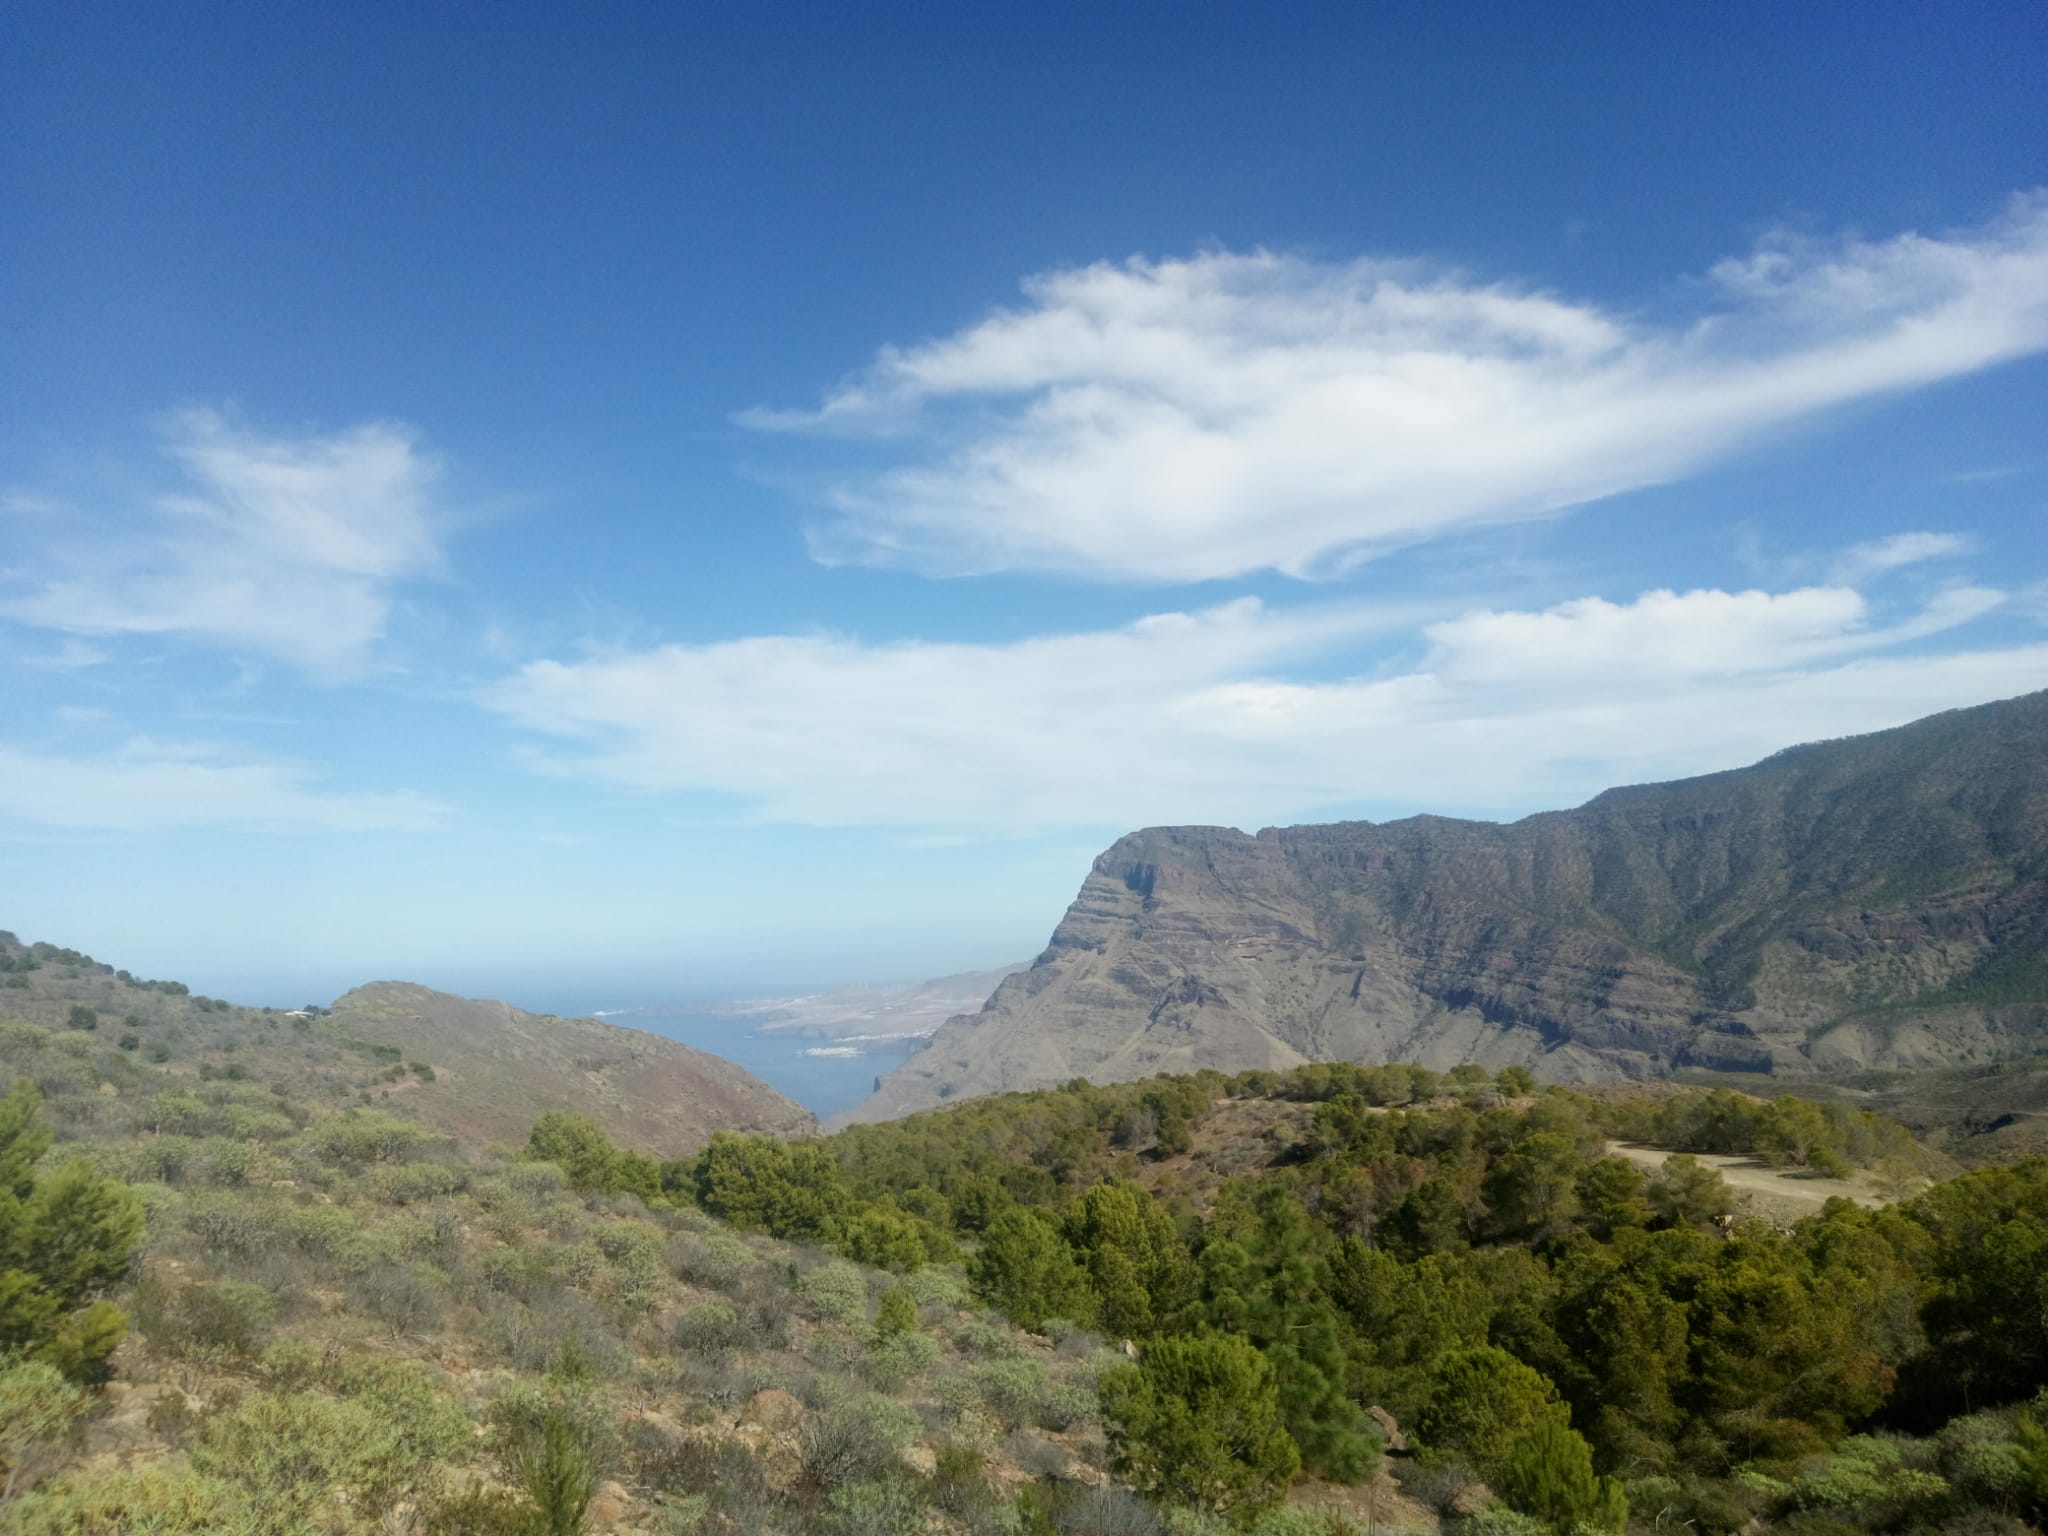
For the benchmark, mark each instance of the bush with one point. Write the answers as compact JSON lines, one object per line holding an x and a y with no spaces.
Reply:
{"x":1010,"y":1388}
{"x":1499,"y":1520}
{"x":294,"y":1451}
{"x":37,"y":1409}
{"x":897,"y":1311}
{"x":892,"y":1359}
{"x":713,"y":1329}
{"x":155,"y":1500}
{"x":938,"y":1288}
{"x":406,"y":1298}
{"x":889,"y":1508}
{"x":836,"y":1292}
{"x":858,"y":1441}
{"x":717,"y":1261}
{"x":558,"y":1469}
{"x":1063,"y":1405}
{"x":979,"y":1338}
{"x":223,"y":1320}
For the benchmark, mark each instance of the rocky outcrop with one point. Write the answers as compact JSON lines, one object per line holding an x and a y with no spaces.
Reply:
{"x":1875,"y":901}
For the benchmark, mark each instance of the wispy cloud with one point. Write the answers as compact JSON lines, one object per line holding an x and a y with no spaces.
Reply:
{"x":1229,"y":714}
{"x":1878,"y":557}
{"x":1211,"y":416}
{"x":285,"y":547}
{"x":151,"y":785}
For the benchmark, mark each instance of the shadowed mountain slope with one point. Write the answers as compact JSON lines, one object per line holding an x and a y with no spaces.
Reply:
{"x":1878,"y":901}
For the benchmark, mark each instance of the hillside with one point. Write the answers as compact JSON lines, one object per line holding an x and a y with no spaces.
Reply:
{"x":499,"y":1068}
{"x":1880,"y":901}
{"x":238,"y":1300}
{"x":482,"y":1071}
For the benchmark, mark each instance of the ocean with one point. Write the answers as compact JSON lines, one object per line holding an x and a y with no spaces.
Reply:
{"x":823,"y":1083}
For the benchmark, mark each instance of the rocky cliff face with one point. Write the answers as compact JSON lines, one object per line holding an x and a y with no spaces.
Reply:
{"x":1876,"y":901}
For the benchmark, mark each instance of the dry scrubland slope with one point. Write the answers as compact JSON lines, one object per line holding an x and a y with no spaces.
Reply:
{"x":491,"y":1069}
{"x":1879,"y":901}
{"x":345,"y":1322}
{"x":499,"y":1068}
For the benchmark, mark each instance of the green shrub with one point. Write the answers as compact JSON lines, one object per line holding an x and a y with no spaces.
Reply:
{"x":990,"y":1343}
{"x":556,"y":1445}
{"x":1063,"y":1405}
{"x":292,"y":1365}
{"x":1010,"y":1388}
{"x":1499,"y":1520}
{"x":37,"y":1410}
{"x":897,"y":1310}
{"x":892,"y":1359}
{"x":890,"y":1508}
{"x":857,"y":1441}
{"x":236,"y":1226}
{"x":406,"y":1298}
{"x":228,"y":1162}
{"x":519,"y":1272}
{"x":939,"y":1288}
{"x":148,"y":1501}
{"x":222,"y":1320}
{"x":835,"y":1292}
{"x":717,"y":1261}
{"x":711,"y":1329}
{"x":364,"y":1136}
{"x":293,"y":1452}
{"x":413,"y":1183}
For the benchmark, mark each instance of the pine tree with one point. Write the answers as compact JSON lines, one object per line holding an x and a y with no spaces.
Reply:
{"x":64,"y":1237}
{"x":1548,"y":1473}
{"x":1197,"y":1421}
{"x":1284,"y":1307}
{"x":1025,"y":1269}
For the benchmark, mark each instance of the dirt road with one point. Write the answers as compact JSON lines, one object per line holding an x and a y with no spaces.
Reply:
{"x":1747,"y":1176}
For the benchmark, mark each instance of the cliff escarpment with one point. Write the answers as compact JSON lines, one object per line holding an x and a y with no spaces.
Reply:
{"x":1879,"y":901}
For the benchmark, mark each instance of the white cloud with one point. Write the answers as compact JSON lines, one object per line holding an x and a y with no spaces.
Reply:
{"x":285,"y":547}
{"x":150,"y":785}
{"x":1201,"y":418}
{"x":1881,"y":556}
{"x":1206,"y":716}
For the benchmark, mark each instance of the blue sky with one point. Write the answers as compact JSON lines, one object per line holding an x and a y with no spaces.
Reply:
{"x":587,"y":502}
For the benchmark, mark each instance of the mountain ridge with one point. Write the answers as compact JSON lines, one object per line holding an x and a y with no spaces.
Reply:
{"x":477,"y":1069}
{"x":501,"y":1067}
{"x":1872,"y":901}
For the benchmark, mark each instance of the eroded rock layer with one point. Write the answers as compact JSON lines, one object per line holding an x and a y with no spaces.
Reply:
{"x":1875,"y":901}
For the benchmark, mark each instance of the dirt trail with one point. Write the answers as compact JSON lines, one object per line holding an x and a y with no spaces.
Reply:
{"x":1747,"y":1176}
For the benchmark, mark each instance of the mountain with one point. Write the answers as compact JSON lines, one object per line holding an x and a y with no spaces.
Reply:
{"x":1877,"y":901}
{"x":499,"y":1068}
{"x":480,"y":1071}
